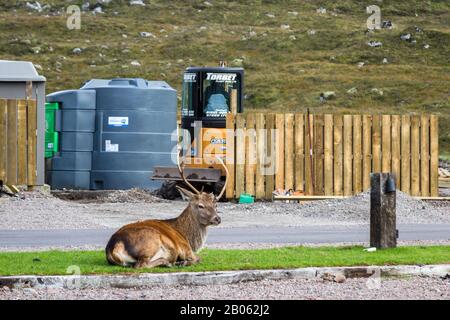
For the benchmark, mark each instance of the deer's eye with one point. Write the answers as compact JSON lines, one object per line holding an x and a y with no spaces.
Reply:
{"x":201,"y":205}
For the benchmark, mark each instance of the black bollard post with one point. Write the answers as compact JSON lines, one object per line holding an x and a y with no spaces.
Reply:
{"x":383,"y":230}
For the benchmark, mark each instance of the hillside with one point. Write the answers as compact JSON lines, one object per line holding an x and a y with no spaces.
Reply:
{"x":291,"y":51}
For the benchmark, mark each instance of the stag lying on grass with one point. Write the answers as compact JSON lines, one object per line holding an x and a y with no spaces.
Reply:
{"x":153,"y":243}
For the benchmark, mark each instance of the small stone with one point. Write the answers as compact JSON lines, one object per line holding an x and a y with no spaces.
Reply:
{"x":339,"y":278}
{"x":124,"y":36}
{"x":328,"y":95}
{"x":208,"y":4}
{"x":145,"y":34}
{"x":352,"y":90}
{"x":387,"y":24}
{"x":374,"y":44}
{"x":406,"y":37}
{"x":38,"y":66}
{"x":427,"y":46}
{"x":202,"y":28}
{"x":385,"y":60}
{"x":360,"y":64}
{"x":77,"y":50}
{"x":376,"y":90}
{"x":270,"y":15}
{"x":292,"y":37}
{"x":293,"y":13}
{"x":252,"y":34}
{"x":135,"y":63}
{"x":284,"y":26}
{"x":137,"y":3}
{"x":321,"y":10}
{"x":97,"y":9}
{"x":311,"y":32}
{"x":36,"y":50}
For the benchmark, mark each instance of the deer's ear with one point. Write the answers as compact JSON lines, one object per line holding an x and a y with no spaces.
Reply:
{"x":185,"y":192}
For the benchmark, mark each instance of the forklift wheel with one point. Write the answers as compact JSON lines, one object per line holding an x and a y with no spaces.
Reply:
{"x":169,"y":191}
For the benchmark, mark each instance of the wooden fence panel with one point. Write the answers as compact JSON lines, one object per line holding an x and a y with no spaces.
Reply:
{"x":345,"y":149}
{"x":3,"y":138}
{"x":229,"y":192}
{"x":434,"y":153}
{"x":376,"y":144}
{"x":270,"y":161}
{"x":338,"y":155}
{"x":357,"y":154}
{"x":289,"y":152}
{"x":260,"y":143}
{"x":348,"y":146}
{"x":11,"y":173}
{"x":309,"y":155}
{"x":240,"y":154}
{"x":415,"y":155}
{"x":279,"y":149}
{"x":386,"y":143}
{"x":318,"y":154}
{"x":424,"y":156}
{"x":328,"y":155}
{"x":367,"y":150}
{"x":18,"y":140}
{"x":250,"y":154}
{"x":299,"y":151}
{"x":22,"y":165}
{"x":405,"y":179}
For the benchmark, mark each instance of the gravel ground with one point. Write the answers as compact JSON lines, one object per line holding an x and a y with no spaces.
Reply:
{"x":42,"y":211}
{"x":310,"y":289}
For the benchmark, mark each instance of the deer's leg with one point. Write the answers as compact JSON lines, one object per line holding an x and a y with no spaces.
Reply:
{"x":190,"y":259}
{"x":146,"y":262}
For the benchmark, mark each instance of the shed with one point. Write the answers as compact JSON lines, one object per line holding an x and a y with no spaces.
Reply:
{"x":22,"y":123}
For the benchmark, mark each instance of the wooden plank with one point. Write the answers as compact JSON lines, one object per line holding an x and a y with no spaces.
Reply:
{"x":357,"y":154}
{"x":270,"y":155}
{"x":395,"y":148}
{"x":328,"y":155}
{"x":240,"y":154}
{"x":348,"y":144}
{"x":3,"y":138}
{"x":32,"y":141}
{"x":338,"y":151}
{"x":434,"y":153}
{"x":376,"y":143}
{"x":318,"y":154}
{"x":260,"y":143}
{"x":309,"y":152}
{"x":405,"y":180}
{"x":250,"y":151}
{"x":415,"y":155}
{"x":425,"y":155}
{"x":11,"y":172}
{"x":22,"y":142}
{"x":299,"y":151}
{"x":279,"y":144}
{"x":367,"y":151}
{"x":289,"y":152}
{"x":230,"y":155}
{"x":386,"y":143}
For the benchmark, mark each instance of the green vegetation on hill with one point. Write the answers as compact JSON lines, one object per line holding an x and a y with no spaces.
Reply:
{"x":94,"y":262}
{"x":286,"y":67}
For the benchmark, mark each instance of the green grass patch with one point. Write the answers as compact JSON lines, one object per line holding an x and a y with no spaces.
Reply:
{"x":94,"y":262}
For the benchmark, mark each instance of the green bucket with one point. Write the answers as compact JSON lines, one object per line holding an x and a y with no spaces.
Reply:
{"x":246,"y":198}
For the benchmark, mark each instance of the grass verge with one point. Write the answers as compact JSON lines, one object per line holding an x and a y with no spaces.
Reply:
{"x":93,"y":262}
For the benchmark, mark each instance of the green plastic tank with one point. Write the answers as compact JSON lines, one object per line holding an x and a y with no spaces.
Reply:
{"x":51,"y":136}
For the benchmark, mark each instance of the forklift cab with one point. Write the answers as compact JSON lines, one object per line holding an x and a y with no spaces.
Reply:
{"x":208,"y":95}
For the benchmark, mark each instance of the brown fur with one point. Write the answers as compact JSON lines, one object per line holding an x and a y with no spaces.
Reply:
{"x":152,"y":243}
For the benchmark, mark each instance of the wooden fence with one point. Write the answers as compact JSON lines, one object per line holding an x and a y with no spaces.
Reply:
{"x":345,"y":150}
{"x":18,"y":142}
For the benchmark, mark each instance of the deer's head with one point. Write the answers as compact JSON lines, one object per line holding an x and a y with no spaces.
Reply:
{"x":203,"y":204}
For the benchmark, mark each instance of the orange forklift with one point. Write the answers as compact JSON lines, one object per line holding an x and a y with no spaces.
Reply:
{"x":208,"y":94}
